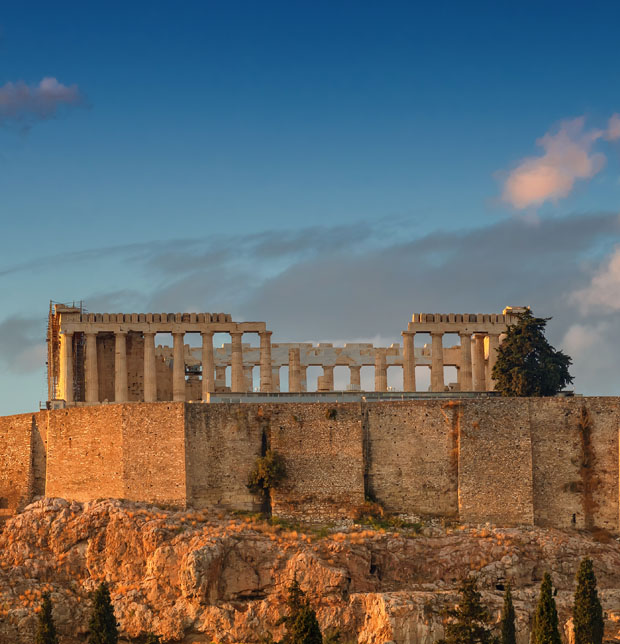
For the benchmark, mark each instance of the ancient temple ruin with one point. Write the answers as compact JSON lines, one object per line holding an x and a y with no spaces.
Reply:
{"x":112,"y":357}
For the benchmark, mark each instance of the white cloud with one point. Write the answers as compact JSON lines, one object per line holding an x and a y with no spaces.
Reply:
{"x":22,"y":102}
{"x":552,"y":176}
{"x":613,"y":128}
{"x":603,"y":292}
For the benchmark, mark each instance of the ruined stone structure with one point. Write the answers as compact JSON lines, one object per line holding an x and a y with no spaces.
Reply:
{"x":503,"y":460}
{"x":95,"y":357}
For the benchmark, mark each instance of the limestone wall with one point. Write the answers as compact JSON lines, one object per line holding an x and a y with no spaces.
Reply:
{"x":412,"y":457}
{"x":16,"y":471}
{"x":223,"y":442}
{"x":506,"y":461}
{"x":322,"y":446}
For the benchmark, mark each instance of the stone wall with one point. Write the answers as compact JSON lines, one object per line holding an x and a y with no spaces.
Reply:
{"x":505,"y":461}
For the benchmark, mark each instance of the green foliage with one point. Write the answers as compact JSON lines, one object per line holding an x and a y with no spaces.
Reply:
{"x":469,"y":621}
{"x":268,"y":472}
{"x":527,"y":365}
{"x":331,"y":413}
{"x":151,"y":638}
{"x":102,"y":627}
{"x":508,"y":635}
{"x":46,"y":630}
{"x":302,"y":626}
{"x":545,"y":628}
{"x":373,"y":514}
{"x":587,"y":611}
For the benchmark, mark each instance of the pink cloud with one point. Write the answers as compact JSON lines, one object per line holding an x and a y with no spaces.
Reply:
{"x":613,"y":128}
{"x":552,"y":176}
{"x":19,"y":101}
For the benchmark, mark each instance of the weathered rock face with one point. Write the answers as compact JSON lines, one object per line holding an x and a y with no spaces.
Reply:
{"x":201,"y":578}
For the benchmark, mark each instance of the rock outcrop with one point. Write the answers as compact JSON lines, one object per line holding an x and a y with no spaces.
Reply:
{"x":200,"y":577}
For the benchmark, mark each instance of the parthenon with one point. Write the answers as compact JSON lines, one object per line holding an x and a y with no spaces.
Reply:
{"x":112,"y":357}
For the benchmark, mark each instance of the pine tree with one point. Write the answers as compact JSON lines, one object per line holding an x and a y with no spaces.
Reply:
{"x":301,"y":622}
{"x":46,"y":631}
{"x":587,"y":611}
{"x":102,"y":628}
{"x":509,"y":635}
{"x":527,"y":365}
{"x":545,"y":629}
{"x":470,"y":621}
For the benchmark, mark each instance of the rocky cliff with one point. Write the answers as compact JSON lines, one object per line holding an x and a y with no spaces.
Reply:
{"x":197,"y":577}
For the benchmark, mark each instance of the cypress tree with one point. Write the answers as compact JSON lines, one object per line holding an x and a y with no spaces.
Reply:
{"x":545,"y":628}
{"x":509,"y":635}
{"x":527,"y":365}
{"x":102,"y":628}
{"x":587,"y":611}
{"x":301,"y":622}
{"x":470,"y":621}
{"x":46,"y":630}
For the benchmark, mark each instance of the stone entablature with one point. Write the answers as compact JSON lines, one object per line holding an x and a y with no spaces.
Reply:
{"x":105,"y":357}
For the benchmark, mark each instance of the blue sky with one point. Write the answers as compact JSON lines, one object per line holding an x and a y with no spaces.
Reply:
{"x":328,"y":167}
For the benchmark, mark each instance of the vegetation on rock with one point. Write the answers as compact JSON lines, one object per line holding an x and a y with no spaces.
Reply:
{"x":587,"y":611}
{"x":545,"y":629}
{"x":302,"y":626}
{"x":527,"y":365}
{"x":508,"y":631}
{"x":46,"y":629}
{"x":268,"y":472}
{"x":102,"y":628}
{"x":470,"y":620}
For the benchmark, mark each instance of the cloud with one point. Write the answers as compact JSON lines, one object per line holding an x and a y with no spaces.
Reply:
{"x":29,"y":103}
{"x":551,"y":176}
{"x":613,"y":128}
{"x":22,"y":344}
{"x":603,"y":292}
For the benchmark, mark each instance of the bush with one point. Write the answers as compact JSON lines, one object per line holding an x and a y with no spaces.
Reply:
{"x":269,"y":471}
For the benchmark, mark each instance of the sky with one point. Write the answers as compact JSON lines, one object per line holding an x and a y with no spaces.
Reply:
{"x":327,"y":167}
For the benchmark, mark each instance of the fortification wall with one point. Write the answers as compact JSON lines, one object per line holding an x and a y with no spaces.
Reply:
{"x":16,"y":473}
{"x":223,"y":442}
{"x":507,"y":461}
{"x":322,"y":446}
{"x":412,"y":457}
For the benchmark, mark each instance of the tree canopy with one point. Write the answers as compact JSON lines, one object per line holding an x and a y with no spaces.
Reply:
{"x":527,"y":365}
{"x":508,"y":632}
{"x":46,"y":629}
{"x":102,"y":628}
{"x":587,"y":610}
{"x":545,"y":629}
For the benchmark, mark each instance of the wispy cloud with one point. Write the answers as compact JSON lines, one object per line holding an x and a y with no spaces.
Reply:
{"x":613,"y":128}
{"x":603,"y":292}
{"x":567,"y":157}
{"x":26,"y":104}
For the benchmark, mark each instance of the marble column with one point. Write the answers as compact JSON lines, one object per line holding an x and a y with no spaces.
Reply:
{"x":237,"y":380}
{"x":328,"y":377}
{"x":465,"y":372}
{"x":150,"y":373}
{"x":120,"y":366}
{"x":408,"y":361}
{"x":275,"y":379}
{"x":478,"y":362}
{"x":91,"y":370}
{"x":303,"y":377}
{"x":265,"y":362}
{"x":248,"y":377}
{"x":178,"y":366}
{"x":380,"y":371}
{"x":220,"y":378}
{"x":493,"y":347}
{"x":437,"y":382}
{"x":67,"y":394}
{"x":355,"y":378}
{"x":208,"y":368}
{"x":294,"y":374}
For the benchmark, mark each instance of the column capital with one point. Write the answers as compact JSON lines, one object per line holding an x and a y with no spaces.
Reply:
{"x":404,"y":333}
{"x":206,"y":334}
{"x":235,"y":333}
{"x":465,"y":334}
{"x":437,"y":333}
{"x":265,"y":333}
{"x":120,"y":332}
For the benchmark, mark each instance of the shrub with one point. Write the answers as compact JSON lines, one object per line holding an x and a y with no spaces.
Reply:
{"x":268,"y":472}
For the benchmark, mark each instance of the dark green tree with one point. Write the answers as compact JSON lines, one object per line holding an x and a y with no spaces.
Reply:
{"x":302,"y":626}
{"x":545,"y":628}
{"x":587,"y":611}
{"x":509,"y":635}
{"x":46,"y":630}
{"x":527,"y":365}
{"x":151,"y":638}
{"x":102,"y":627}
{"x":469,"y":621}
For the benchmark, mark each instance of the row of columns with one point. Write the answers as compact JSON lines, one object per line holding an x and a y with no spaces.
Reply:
{"x":473,"y":374}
